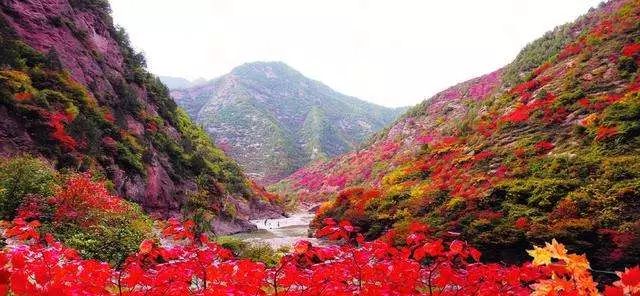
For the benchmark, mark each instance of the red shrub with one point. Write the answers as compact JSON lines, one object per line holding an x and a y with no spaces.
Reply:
{"x":423,"y":266}
{"x":82,"y":199}
{"x":520,"y":114}
{"x":23,"y":96}
{"x":631,"y":50}
{"x":541,"y":69}
{"x":522,"y":223}
{"x":543,"y":146}
{"x":604,"y":28}
{"x":571,"y":49}
{"x":485,"y":154}
{"x":525,"y":87}
{"x":520,"y":152}
{"x":108,"y":116}
{"x":555,"y":116}
{"x":604,"y":133}
{"x":585,"y":103}
{"x":57,"y":122}
{"x":486,"y":128}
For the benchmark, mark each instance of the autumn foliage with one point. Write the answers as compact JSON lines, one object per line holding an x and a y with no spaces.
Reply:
{"x":57,"y":121}
{"x":177,"y":263}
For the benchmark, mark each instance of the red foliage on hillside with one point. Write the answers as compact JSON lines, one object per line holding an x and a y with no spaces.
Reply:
{"x":631,"y":50}
{"x":57,"y":121}
{"x":81,"y":197}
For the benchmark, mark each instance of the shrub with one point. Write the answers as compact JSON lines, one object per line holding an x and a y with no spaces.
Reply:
{"x":627,"y":66}
{"x":256,"y":252}
{"x":100,"y":225}
{"x":22,"y":176}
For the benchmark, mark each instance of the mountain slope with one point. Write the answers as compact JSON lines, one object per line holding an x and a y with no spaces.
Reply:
{"x":73,"y":91}
{"x":547,"y":147}
{"x":274,"y":120}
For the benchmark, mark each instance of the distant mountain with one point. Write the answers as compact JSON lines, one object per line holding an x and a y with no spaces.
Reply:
{"x":546,"y":147}
{"x":274,"y":120}
{"x":180,"y":83}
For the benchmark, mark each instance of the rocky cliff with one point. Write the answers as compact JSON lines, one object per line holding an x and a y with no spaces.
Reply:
{"x":73,"y":91}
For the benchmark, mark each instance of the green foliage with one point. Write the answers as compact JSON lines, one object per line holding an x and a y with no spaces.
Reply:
{"x":627,"y":65}
{"x":204,"y":157}
{"x":230,"y":209}
{"x":112,"y":240}
{"x":569,"y":98}
{"x":257,"y":252}
{"x":20,"y":177}
{"x":129,"y":159}
{"x":540,"y":193}
{"x":625,"y":115}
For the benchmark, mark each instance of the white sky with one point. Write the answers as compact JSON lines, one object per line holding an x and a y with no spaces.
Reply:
{"x":393,"y":52}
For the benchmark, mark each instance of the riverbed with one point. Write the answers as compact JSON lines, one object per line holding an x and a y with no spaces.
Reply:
{"x":281,"y":232}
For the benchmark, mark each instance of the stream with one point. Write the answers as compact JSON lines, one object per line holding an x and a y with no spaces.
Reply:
{"x":281,"y":232}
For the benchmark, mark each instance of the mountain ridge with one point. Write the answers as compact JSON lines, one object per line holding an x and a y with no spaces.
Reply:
{"x":286,"y":116}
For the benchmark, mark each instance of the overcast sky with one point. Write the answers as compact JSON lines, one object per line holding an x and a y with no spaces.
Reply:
{"x":393,"y":53}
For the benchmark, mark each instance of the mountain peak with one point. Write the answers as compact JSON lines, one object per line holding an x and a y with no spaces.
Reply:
{"x":304,"y":119}
{"x":271,"y":70}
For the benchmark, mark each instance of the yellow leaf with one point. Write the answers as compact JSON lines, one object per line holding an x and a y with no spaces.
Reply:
{"x":540,"y":256}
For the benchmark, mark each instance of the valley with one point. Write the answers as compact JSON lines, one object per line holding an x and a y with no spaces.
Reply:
{"x":262,"y":181}
{"x":281,"y":232}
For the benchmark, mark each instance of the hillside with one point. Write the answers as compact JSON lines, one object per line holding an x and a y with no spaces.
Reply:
{"x":546,"y":147}
{"x":74,"y":93}
{"x":273,"y":120}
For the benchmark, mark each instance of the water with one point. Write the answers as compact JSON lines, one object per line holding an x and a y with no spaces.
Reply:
{"x":281,"y":232}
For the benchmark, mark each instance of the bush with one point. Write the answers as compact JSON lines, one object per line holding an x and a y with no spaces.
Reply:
{"x":627,"y":66}
{"x":22,"y":176}
{"x":256,"y":252}
{"x":99,"y":225}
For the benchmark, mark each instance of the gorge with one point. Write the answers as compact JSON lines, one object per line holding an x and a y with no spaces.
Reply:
{"x":522,"y":181}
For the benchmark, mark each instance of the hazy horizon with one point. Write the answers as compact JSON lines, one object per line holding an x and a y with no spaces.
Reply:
{"x":392,"y":54}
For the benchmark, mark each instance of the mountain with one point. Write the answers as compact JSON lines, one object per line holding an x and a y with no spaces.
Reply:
{"x":175,"y":82}
{"x":180,"y":83}
{"x":74,"y":93}
{"x":546,"y":147}
{"x":273,"y":120}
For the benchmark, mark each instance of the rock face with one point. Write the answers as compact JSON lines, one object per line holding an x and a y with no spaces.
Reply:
{"x":273,"y":120}
{"x":73,"y":91}
{"x":546,"y":147}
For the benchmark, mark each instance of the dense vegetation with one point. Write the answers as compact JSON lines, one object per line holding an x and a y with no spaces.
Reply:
{"x":70,"y":237}
{"x":179,"y":263}
{"x":545,"y":148}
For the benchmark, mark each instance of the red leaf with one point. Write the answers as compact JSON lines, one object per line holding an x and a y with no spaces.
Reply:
{"x":631,"y":277}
